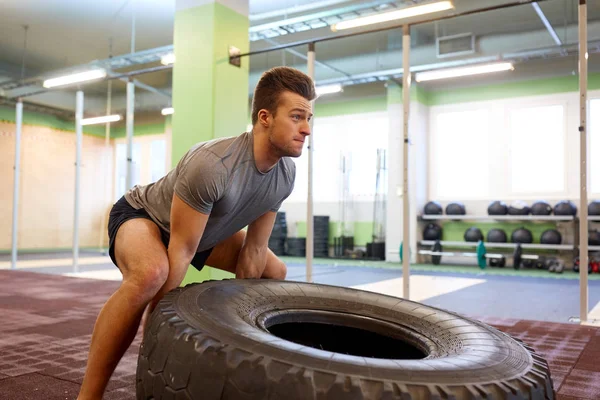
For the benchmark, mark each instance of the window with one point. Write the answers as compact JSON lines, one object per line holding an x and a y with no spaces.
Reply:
{"x":121,"y":170}
{"x":158,"y":155}
{"x":537,"y":155}
{"x":594,"y":143}
{"x":357,"y":137}
{"x":460,"y":162}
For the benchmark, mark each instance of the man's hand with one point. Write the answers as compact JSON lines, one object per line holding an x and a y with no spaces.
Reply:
{"x":253,"y":255}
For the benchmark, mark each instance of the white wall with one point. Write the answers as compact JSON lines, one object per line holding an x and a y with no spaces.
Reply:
{"x":498,"y":151}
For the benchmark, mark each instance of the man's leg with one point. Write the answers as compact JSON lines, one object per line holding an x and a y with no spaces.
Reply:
{"x":142,"y":258}
{"x":225,"y":254}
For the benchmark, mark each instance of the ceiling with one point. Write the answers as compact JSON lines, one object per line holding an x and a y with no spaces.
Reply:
{"x":66,"y":33}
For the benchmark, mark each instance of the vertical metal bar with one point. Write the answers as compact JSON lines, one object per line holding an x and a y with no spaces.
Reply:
{"x":17,"y":168}
{"x":106,"y":165}
{"x":406,"y":210}
{"x":79,"y":138}
{"x":129,"y":129}
{"x":583,"y":214}
{"x":309,"y":200}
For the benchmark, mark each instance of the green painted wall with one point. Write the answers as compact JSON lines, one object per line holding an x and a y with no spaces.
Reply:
{"x":417,"y":94}
{"x":139,"y":130}
{"x":511,"y":90}
{"x":366,"y":105}
{"x":8,"y":114}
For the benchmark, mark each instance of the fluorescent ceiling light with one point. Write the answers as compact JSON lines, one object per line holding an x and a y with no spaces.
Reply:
{"x":463,"y":71}
{"x":168,"y":59}
{"x":327,"y":89}
{"x":100,"y":120}
{"x":75,"y":78}
{"x":403,"y":13}
{"x":167,"y":111}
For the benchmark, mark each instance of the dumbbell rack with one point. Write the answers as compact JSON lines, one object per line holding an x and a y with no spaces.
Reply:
{"x":513,"y":246}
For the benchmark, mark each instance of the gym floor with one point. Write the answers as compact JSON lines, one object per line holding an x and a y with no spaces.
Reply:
{"x":48,"y":318}
{"x":493,"y":292}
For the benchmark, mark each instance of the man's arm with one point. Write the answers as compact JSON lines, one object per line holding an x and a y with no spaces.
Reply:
{"x":187,"y":228}
{"x":253,"y":256}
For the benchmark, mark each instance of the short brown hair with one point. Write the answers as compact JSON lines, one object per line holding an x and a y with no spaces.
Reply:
{"x":276,"y":81}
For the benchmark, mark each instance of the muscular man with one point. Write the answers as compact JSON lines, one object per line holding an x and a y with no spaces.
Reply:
{"x":196,"y":213}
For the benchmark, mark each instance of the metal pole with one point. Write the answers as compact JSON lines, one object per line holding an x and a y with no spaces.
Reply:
{"x":107,"y":176}
{"x":129,"y":129}
{"x":406,"y":210}
{"x":309,"y":200}
{"x":17,"y":168}
{"x":583,"y":214}
{"x":79,"y":138}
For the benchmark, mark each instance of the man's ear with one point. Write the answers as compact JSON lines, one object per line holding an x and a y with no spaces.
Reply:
{"x":264,"y":118}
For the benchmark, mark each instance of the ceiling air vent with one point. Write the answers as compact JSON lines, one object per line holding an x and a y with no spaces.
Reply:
{"x":455,"y":45}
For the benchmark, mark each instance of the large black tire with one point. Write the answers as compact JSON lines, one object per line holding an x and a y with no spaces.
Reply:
{"x":210,"y":341}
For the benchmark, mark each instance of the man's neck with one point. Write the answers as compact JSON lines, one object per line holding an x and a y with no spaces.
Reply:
{"x":264,"y":155}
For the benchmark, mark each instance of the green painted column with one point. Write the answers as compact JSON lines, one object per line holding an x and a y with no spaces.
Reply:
{"x":210,"y":96}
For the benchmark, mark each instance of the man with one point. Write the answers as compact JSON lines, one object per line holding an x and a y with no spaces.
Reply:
{"x":196,"y":213}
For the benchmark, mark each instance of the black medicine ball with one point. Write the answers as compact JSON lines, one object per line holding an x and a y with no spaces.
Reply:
{"x":519,"y":208}
{"x":521,"y":235}
{"x":541,"y":208}
{"x":433,"y":208}
{"x":432,"y":232}
{"x":565,"y":207}
{"x":594,"y":238}
{"x":594,"y":208}
{"x":496,"y":236}
{"x":551,"y":236}
{"x":473,"y":234}
{"x":497,"y":208}
{"x":456,"y":209}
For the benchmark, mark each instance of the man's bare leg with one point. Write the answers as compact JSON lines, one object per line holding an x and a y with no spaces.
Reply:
{"x":142,"y":258}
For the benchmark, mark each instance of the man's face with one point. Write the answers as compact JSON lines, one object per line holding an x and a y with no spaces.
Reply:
{"x":290,"y":125}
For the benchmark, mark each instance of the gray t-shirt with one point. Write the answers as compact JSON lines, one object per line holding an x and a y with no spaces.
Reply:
{"x":218,"y":177}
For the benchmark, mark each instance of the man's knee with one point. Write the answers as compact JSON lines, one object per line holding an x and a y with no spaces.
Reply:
{"x":149,"y":279}
{"x":277,"y":270}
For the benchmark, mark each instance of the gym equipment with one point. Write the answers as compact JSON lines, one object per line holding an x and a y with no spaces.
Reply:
{"x":565,"y":207}
{"x":250,"y":338}
{"x":496,"y":236}
{"x":594,"y":208}
{"x":576,"y":265}
{"x":527,"y":263}
{"x":541,"y":208}
{"x":432,"y":232}
{"x":540,"y":263}
{"x":481,"y":254}
{"x":296,"y":247}
{"x":456,"y":209}
{"x":278,"y":237}
{"x":433,"y":208}
{"x":473,"y":234}
{"x":321,"y":236}
{"x":497,"y":208}
{"x":519,"y":257}
{"x":497,"y":262}
{"x":594,"y":238}
{"x":518,"y":207}
{"x":521,"y":235}
{"x":556,"y":265}
{"x":551,"y":236}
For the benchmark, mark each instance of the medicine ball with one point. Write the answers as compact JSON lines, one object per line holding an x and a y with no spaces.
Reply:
{"x":497,"y":208}
{"x":519,"y":208}
{"x":456,"y":209}
{"x":496,"y":236}
{"x":551,"y":236}
{"x":433,"y":208}
{"x":521,"y":235}
{"x":541,"y":208}
{"x":432,"y":232}
{"x":565,"y":207}
{"x":473,"y":234}
{"x":594,"y":208}
{"x":594,"y":238}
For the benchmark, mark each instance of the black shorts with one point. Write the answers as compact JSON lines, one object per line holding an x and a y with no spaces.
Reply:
{"x":122,"y":211}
